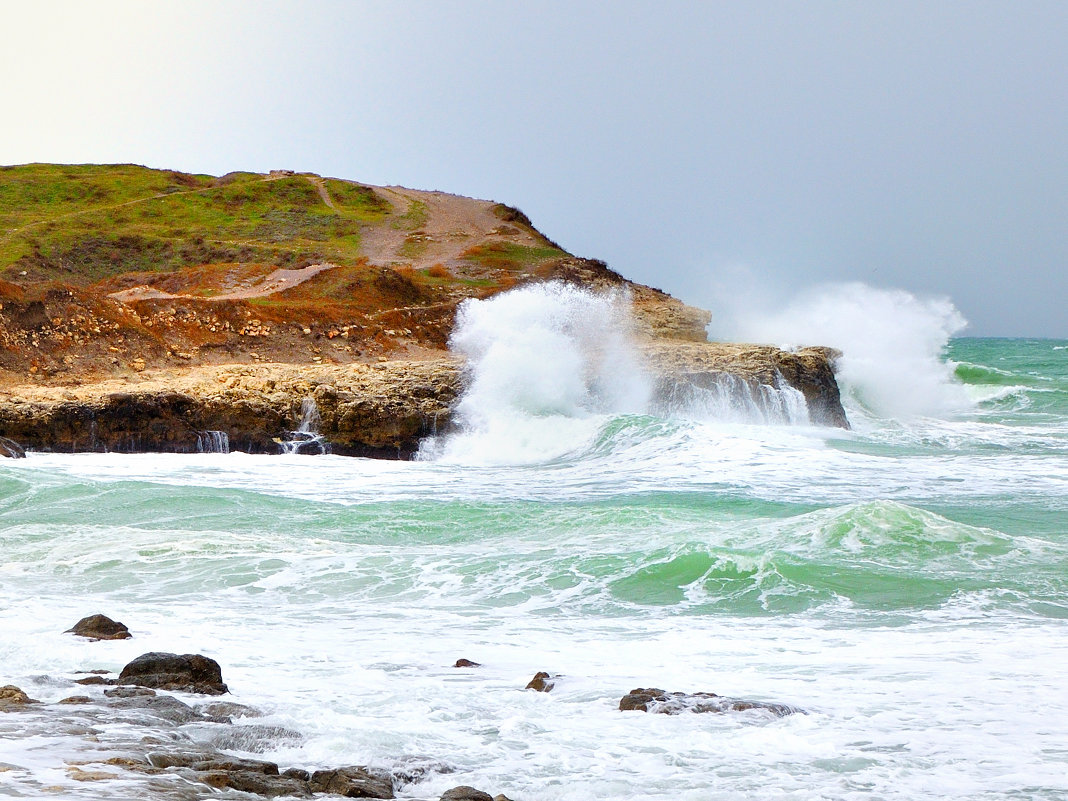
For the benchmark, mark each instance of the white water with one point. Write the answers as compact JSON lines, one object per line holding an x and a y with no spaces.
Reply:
{"x":549,"y":364}
{"x":819,"y":568}
{"x":892,"y":343}
{"x":546,"y":363}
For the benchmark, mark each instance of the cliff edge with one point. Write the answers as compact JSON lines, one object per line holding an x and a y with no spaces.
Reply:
{"x":155,"y":310}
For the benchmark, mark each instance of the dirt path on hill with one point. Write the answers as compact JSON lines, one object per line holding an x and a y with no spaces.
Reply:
{"x":320,"y":187}
{"x":278,"y":281}
{"x":428,"y":228}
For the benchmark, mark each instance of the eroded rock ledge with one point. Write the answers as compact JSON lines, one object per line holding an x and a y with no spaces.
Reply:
{"x":379,"y":410}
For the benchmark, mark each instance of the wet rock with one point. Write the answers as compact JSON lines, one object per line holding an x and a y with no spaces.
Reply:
{"x":176,"y":759}
{"x":161,"y":707}
{"x":257,"y":783}
{"x":412,"y":770}
{"x":297,"y":773}
{"x":466,"y":663}
{"x":100,"y":627}
{"x":90,"y":681}
{"x":228,"y":709}
{"x":11,"y":697}
{"x":653,"y":699}
{"x":129,"y":692}
{"x":542,"y":682}
{"x":352,"y":782}
{"x":11,"y":449}
{"x":191,"y":673}
{"x":81,"y":775}
{"x":236,"y":765}
{"x":77,"y":699}
{"x":465,"y":793}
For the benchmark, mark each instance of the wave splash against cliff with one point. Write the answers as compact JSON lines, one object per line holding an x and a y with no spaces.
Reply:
{"x":550,"y":365}
{"x":544,"y":364}
{"x":893,"y":344}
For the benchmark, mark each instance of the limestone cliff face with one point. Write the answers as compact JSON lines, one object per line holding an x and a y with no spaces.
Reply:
{"x":750,"y":367}
{"x":380,"y":410}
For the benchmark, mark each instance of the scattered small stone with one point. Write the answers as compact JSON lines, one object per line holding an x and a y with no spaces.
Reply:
{"x":465,"y":793}
{"x":653,"y":699}
{"x":462,"y":663}
{"x":542,"y":682}
{"x":99,"y":627}
{"x":191,"y":673}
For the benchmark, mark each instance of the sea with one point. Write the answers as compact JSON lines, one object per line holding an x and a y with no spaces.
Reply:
{"x":904,"y":583}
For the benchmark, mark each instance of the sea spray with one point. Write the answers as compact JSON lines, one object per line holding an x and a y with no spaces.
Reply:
{"x":893,"y":343}
{"x":544,"y":364}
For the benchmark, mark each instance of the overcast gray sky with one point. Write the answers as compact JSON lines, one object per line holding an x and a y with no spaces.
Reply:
{"x":918,"y":145}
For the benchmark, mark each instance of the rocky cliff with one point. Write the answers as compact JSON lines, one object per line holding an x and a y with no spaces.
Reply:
{"x":153,"y":310}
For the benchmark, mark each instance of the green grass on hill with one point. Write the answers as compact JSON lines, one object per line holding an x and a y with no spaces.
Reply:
{"x":83,"y":223}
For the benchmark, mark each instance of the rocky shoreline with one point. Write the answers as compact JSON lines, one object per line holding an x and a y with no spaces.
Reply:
{"x":378,"y":410}
{"x":183,"y":748}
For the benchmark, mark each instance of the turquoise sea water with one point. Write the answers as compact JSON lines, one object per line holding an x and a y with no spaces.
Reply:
{"x":905,"y":583}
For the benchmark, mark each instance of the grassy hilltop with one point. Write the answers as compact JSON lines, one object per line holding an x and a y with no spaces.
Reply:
{"x":112,"y":268}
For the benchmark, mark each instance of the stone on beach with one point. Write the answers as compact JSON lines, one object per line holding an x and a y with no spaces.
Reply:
{"x":191,"y":673}
{"x":99,"y":627}
{"x":11,"y":696}
{"x":465,"y":793}
{"x":653,"y":699}
{"x":542,"y":682}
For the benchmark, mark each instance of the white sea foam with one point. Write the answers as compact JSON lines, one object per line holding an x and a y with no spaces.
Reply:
{"x":545,"y":363}
{"x":892,"y":342}
{"x":549,"y":365}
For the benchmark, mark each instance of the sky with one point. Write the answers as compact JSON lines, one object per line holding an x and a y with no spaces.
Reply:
{"x":762,"y":148}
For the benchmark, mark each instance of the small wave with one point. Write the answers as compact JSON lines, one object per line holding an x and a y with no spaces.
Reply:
{"x":991,"y":395}
{"x":881,"y":555}
{"x":982,"y":374}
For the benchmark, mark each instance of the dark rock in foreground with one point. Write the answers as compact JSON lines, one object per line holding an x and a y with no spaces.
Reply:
{"x":191,"y":673}
{"x":100,"y":627}
{"x":466,"y":663}
{"x":11,"y":449}
{"x":652,"y":699}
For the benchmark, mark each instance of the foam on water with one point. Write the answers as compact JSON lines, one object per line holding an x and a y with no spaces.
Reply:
{"x":903,"y":584}
{"x":548,"y":366}
{"x":545,"y":364}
